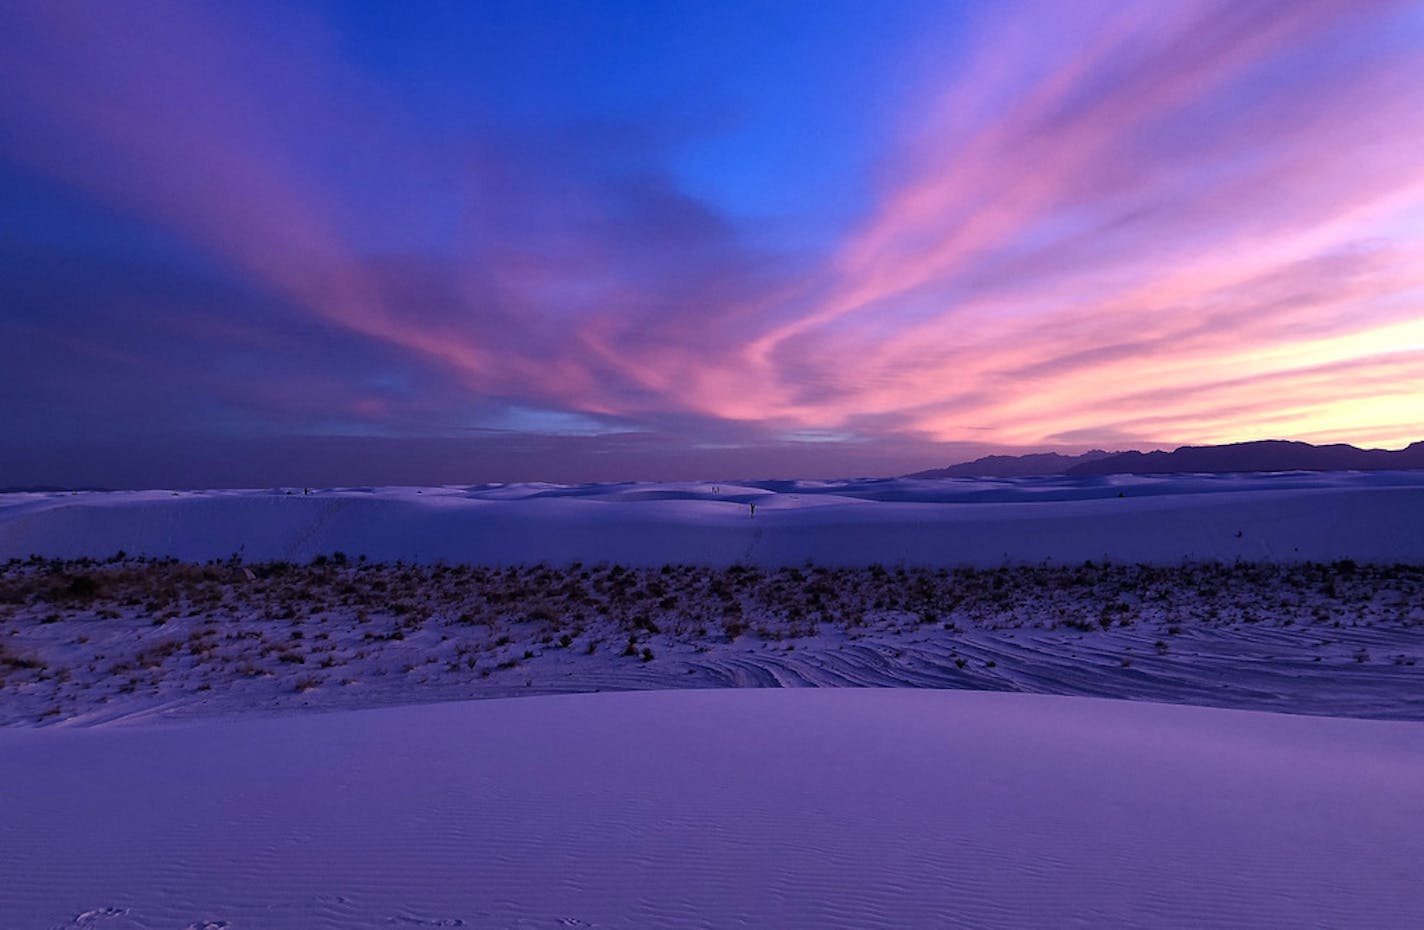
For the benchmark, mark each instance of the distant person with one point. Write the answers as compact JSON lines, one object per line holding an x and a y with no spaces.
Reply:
{"x":753,"y":508}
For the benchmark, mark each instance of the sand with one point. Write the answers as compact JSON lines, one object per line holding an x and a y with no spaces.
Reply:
{"x":827,"y":808}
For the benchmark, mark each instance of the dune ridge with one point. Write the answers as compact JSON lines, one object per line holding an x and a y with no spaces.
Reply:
{"x":1363,"y":516}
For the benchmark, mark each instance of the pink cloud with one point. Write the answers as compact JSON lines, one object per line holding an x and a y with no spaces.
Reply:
{"x":1185,"y":221}
{"x":930,"y":306}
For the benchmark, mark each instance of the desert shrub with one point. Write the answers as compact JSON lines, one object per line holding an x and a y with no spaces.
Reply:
{"x":733,"y":627}
{"x":13,"y":660}
{"x":82,"y":588}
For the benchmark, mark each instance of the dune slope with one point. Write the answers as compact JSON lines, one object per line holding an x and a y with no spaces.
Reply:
{"x":816,"y":808}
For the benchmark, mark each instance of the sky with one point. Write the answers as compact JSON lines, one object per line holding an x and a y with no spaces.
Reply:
{"x":252,"y":243}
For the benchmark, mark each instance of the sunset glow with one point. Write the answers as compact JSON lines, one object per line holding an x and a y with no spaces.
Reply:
{"x":631,"y":233}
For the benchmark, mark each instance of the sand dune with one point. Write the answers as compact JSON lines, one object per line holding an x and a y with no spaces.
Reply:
{"x":1364,"y":516}
{"x":173,"y":783}
{"x":833,"y":808}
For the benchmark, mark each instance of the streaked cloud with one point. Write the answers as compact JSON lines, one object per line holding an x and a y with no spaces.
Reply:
{"x":1099,"y":224}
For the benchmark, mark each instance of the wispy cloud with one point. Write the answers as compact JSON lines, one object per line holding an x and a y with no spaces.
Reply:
{"x":1201,"y":221}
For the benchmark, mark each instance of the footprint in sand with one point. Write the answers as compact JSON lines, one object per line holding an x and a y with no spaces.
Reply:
{"x":93,"y":917}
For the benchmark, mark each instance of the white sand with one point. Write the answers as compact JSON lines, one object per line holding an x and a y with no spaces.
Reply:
{"x":829,"y":808}
{"x":1364,"y":516}
{"x":838,"y":807}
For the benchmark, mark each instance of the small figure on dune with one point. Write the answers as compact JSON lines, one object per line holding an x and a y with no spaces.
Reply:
{"x":753,"y":508}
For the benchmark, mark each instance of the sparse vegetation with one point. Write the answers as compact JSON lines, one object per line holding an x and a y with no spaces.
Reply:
{"x":140,"y":626}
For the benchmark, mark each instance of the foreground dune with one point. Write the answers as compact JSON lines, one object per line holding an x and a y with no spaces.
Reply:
{"x":816,"y":808}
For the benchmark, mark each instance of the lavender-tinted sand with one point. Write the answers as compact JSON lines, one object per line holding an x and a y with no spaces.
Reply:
{"x":1162,"y":519}
{"x":822,"y":808}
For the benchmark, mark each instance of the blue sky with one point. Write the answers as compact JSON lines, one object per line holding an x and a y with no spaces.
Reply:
{"x":601,"y":240}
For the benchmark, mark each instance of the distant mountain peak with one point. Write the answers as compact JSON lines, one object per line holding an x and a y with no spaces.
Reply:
{"x":1256,"y":456}
{"x":1014,"y":466}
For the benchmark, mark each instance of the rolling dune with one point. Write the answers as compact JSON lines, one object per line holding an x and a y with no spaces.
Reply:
{"x":1362,"y":516}
{"x":829,"y":808}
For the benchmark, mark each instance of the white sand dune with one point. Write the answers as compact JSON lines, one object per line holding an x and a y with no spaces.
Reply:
{"x":827,"y":808}
{"x":1363,"y":516}
{"x":169,"y":797}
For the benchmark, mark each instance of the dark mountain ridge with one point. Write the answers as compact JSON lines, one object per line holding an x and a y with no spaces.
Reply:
{"x":1014,"y":466}
{"x":1259,"y":456}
